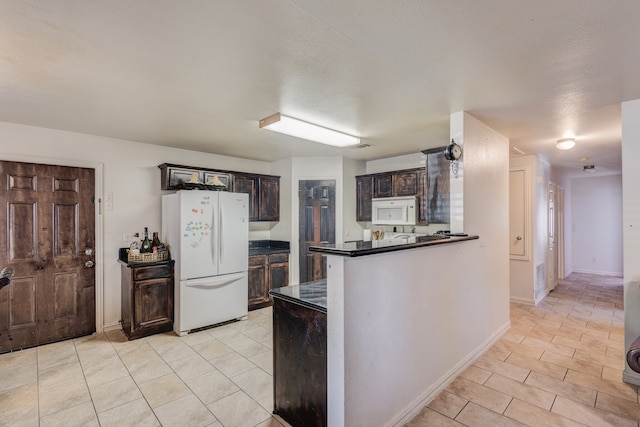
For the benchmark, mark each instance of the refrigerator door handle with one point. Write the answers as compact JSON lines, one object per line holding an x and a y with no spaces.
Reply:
{"x":214,"y":281}
{"x":221,"y":235}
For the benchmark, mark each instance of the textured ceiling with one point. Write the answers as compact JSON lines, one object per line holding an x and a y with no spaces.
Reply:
{"x":200,"y":74}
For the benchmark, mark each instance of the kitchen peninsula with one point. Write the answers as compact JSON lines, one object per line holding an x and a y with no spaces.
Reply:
{"x":396,"y":330}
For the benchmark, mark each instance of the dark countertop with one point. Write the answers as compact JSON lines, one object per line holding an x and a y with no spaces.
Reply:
{"x":312,"y":295}
{"x":268,"y":247}
{"x":361,"y":248}
{"x":123,"y":258}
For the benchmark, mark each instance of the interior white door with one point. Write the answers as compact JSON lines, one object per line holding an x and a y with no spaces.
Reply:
{"x":552,"y":264}
{"x":518,"y":213}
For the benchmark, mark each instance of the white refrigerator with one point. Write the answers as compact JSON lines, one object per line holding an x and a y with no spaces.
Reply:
{"x":207,"y":233}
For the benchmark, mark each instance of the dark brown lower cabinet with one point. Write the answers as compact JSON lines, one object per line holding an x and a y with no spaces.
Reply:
{"x":147,"y":299}
{"x":299,"y":364}
{"x":266,"y":272}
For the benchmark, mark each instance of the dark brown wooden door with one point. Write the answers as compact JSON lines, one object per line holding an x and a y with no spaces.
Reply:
{"x":47,"y":237}
{"x":317,"y":225}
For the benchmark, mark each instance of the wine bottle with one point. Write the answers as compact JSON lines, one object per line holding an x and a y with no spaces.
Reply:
{"x":155,"y":243}
{"x":146,"y":244}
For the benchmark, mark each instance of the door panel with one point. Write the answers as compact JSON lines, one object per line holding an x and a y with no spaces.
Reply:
{"x":518,"y":218}
{"x":48,"y":234}
{"x":316,"y":225}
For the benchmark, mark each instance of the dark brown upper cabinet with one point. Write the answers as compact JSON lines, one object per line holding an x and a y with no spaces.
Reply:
{"x":383,"y":185}
{"x":263,"y":190}
{"x":364,"y":194}
{"x":405,"y":183}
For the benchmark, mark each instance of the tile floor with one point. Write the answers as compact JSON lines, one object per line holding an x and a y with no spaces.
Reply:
{"x":559,"y":365}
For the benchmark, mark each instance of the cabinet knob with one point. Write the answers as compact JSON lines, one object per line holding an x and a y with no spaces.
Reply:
{"x":519,"y":238}
{"x":89,"y":264}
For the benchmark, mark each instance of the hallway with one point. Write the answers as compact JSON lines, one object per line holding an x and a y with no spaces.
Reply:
{"x":560,"y":364}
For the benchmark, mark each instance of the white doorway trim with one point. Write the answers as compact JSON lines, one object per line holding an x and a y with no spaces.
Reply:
{"x":98,"y":167}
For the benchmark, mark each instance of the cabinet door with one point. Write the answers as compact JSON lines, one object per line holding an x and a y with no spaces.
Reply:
{"x":258,"y":280}
{"x":224,"y":177}
{"x":364,"y":194}
{"x":269,"y":197}
{"x":383,"y":185}
{"x":422,"y":196}
{"x":153,"y":303}
{"x":278,"y":270}
{"x":405,"y":183}
{"x":248,"y":184}
{"x":174,"y":178}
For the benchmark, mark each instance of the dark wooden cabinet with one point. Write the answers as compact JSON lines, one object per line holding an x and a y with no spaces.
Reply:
{"x":263,"y":190}
{"x":407,"y":182}
{"x":269,"y":198}
{"x":177,"y":177}
{"x":265,"y":273}
{"x":147,"y":298}
{"x":299,"y":364}
{"x":364,"y":194}
{"x":383,"y":185}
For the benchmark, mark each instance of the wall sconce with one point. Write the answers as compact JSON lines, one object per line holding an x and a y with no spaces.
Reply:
{"x":305,"y":130}
{"x":565,"y":143}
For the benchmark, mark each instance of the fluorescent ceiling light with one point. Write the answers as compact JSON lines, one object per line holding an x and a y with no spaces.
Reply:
{"x":306,"y":130}
{"x":565,"y":143}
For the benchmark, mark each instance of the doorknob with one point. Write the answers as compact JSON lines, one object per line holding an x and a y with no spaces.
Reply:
{"x":88,"y":264}
{"x":519,"y":238}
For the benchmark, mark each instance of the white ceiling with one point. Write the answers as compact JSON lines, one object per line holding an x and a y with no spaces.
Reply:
{"x":200,"y":74}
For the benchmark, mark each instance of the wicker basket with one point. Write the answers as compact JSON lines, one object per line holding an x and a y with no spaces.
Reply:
{"x":149,"y":257}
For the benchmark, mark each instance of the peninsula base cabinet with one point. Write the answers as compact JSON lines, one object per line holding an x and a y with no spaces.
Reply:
{"x":266,"y":272}
{"x":147,"y":299}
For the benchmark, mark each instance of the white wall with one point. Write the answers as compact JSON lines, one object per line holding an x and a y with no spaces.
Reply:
{"x":597,"y":224}
{"x":435,"y":308}
{"x":131,"y":174}
{"x":631,"y":226}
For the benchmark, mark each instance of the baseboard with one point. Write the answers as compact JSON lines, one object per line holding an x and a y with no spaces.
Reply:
{"x":537,"y":301}
{"x":428,"y":395}
{"x":111,"y":326}
{"x":598,"y":272}
{"x":520,"y":300}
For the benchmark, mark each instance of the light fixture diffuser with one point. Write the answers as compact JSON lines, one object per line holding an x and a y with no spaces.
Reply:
{"x":305,"y":130}
{"x":565,"y":143}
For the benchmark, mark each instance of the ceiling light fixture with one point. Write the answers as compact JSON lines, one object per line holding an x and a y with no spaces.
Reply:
{"x":306,"y":130}
{"x":565,"y":143}
{"x":589,"y":168}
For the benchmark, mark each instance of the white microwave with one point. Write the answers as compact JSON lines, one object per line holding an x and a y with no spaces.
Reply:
{"x":394,"y":210}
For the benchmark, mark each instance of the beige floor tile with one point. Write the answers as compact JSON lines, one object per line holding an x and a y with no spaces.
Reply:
{"x":247,"y":347}
{"x":62,"y":396}
{"x":476,"y":374}
{"x":238,"y":410}
{"x":267,"y":403}
{"x":483,"y":396}
{"x":256,"y":383}
{"x":474,"y":415}
{"x":114,"y":393}
{"x":259,"y":334}
{"x":18,"y":376}
{"x":191,"y":366}
{"x":522,"y":349}
{"x":532,"y":415}
{"x":211,"y":386}
{"x":614,"y":375}
{"x":508,"y":370}
{"x":571,"y":363}
{"x":271,"y":422}
{"x":55,"y":354}
{"x":16,"y":359}
{"x":82,"y":415}
{"x":624,"y":391}
{"x":588,"y":415}
{"x":537,"y":365}
{"x":97,"y":374}
{"x":618,"y":406}
{"x":227,"y":334}
{"x":547,"y":346}
{"x":264,"y":361}
{"x":19,"y":405}
{"x":524,"y":392}
{"x":571,"y":391}
{"x":186,"y":411}
{"x":430,"y":418}
{"x":61,"y":374}
{"x":149,"y":369}
{"x":578,"y":344}
{"x":162,"y":390}
{"x":600,"y":359}
{"x":212,"y":349}
{"x":497,"y":353}
{"x":174,"y":350}
{"x":132,"y":414}
{"x":448,"y":404}
{"x":232,"y":364}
